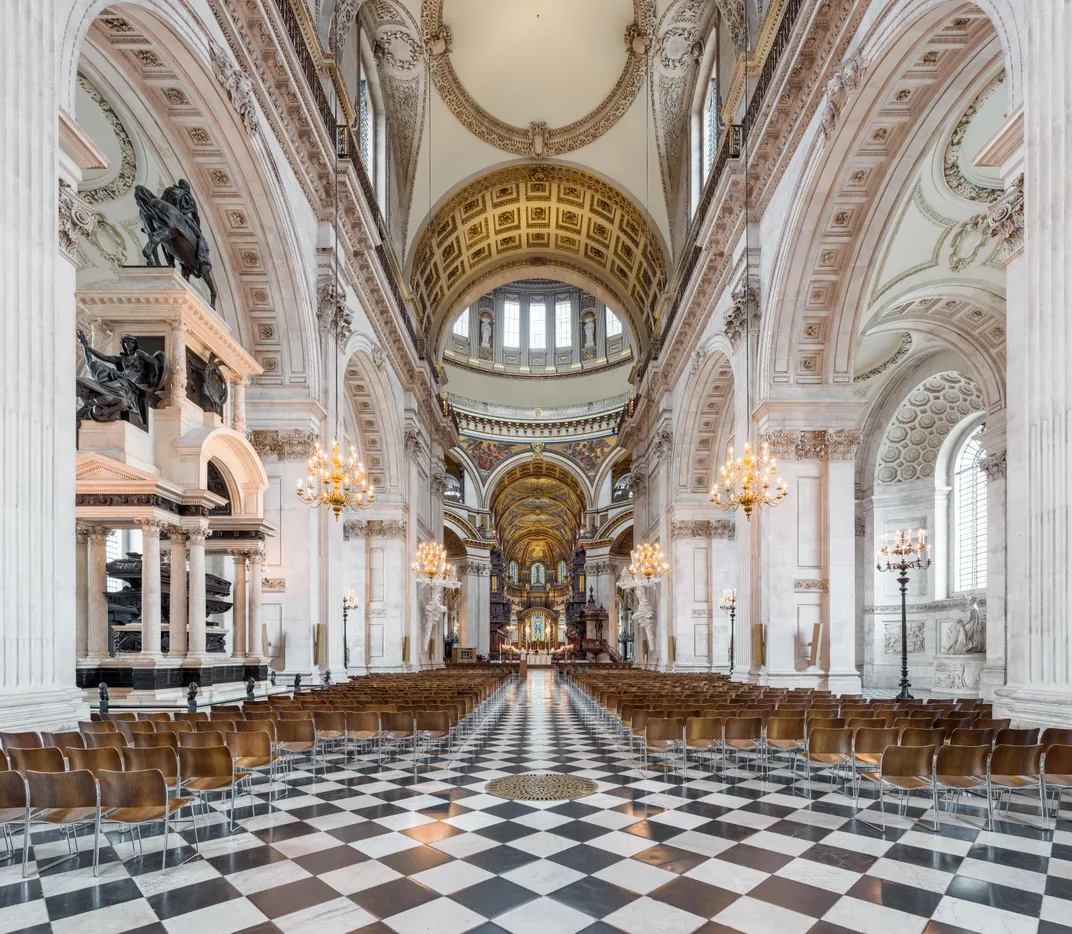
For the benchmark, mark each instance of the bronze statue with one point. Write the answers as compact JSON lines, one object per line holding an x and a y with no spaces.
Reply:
{"x":126,"y":385}
{"x":172,"y":222}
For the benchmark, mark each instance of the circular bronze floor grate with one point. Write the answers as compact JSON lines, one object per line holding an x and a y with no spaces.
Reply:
{"x":541,"y":786}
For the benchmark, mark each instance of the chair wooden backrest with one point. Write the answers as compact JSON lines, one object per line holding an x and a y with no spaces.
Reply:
{"x":29,"y":739}
{"x":256,"y":726}
{"x":121,"y":715}
{"x":40,"y":759}
{"x":967,"y":737}
{"x":397,"y":722}
{"x":128,"y":728}
{"x":1056,"y":736}
{"x":1019,"y":760}
{"x":908,"y":761}
{"x":59,"y":789}
{"x":875,"y":739}
{"x":175,"y":726}
{"x":216,"y":723}
{"x":200,"y":740}
{"x":702,"y":731}
{"x":433,"y":721}
{"x":205,"y":762}
{"x":295,"y":731}
{"x":363,"y":721}
{"x":1057,"y":760}
{"x":12,"y":790}
{"x":158,"y":716}
{"x":226,"y":711}
{"x":165,"y":740}
{"x":141,"y":788}
{"x":294,"y":714}
{"x":921,"y":736}
{"x":1011,"y":737}
{"x":739,"y":728}
{"x":64,"y":739}
{"x":250,"y":745}
{"x":785,"y":727}
{"x":115,"y":740}
{"x":198,"y":716}
{"x":823,"y":722}
{"x":333,"y":721}
{"x":962,"y":760}
{"x":161,"y":758}
{"x":93,"y":760}
{"x":989,"y":723}
{"x":96,"y":726}
{"x":866,"y":723}
{"x":825,"y":740}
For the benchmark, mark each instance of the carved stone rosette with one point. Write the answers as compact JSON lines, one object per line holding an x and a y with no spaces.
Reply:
{"x":1006,"y":217}
{"x":75,"y":220}
{"x":289,"y":444}
{"x":837,"y":444}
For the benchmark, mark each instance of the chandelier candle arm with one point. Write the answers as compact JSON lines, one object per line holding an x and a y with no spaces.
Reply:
{"x":336,"y":482}
{"x":749,"y":482}
{"x":646,"y":563}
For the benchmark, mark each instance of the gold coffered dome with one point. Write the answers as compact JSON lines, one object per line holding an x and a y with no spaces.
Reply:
{"x":546,"y":220}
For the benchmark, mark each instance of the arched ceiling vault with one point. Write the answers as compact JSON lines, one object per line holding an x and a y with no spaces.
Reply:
{"x":533,"y":215}
{"x":537,"y":508}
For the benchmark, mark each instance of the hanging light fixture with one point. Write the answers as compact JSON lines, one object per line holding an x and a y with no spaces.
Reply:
{"x":749,"y":482}
{"x":646,"y":563}
{"x":431,"y":564}
{"x":335,"y":481}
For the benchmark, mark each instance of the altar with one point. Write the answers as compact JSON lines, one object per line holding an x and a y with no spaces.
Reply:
{"x":537,"y":659}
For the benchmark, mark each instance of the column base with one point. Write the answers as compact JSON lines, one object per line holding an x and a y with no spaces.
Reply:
{"x":991,"y":680}
{"x":1028,"y":707}
{"x":162,"y":673}
{"x":42,"y":708}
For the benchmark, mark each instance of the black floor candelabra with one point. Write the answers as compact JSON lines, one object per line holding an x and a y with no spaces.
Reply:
{"x":900,"y":557}
{"x":729,"y":603}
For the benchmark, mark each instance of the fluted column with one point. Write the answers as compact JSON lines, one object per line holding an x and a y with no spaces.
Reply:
{"x":239,"y":610}
{"x":81,"y":595}
{"x":178,"y":604}
{"x":97,"y":589}
{"x":150,"y":587}
{"x":256,"y":598}
{"x":196,"y":648}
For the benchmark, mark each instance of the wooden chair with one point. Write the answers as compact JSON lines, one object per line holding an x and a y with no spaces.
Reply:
{"x":1056,"y":769}
{"x":868,"y":745}
{"x":140,"y":797}
{"x":121,"y":715}
{"x":433,"y":728}
{"x":93,"y":760}
{"x":175,"y":726}
{"x":165,"y":740}
{"x":162,"y":758}
{"x":703,"y":734}
{"x":1055,"y":736}
{"x":330,"y":727}
{"x":294,"y":737}
{"x":363,"y":726}
{"x":226,"y":711}
{"x":96,"y":726}
{"x":1017,"y":769}
{"x":210,"y":769}
{"x":64,"y":739}
{"x":923,"y":737}
{"x":221,"y":724}
{"x":969,"y":737}
{"x":13,"y":808}
{"x":664,"y":736}
{"x":785,"y":736}
{"x":988,"y":723}
{"x":257,"y":726}
{"x":26,"y":740}
{"x":201,"y":740}
{"x":742,"y":734}
{"x":127,"y":728}
{"x":398,"y":729}
{"x":252,"y":752}
{"x":905,"y":769}
{"x":115,"y":740}
{"x":961,"y":767}
{"x":41,"y":759}
{"x":827,"y":748}
{"x":61,"y":799}
{"x":198,"y":716}
{"x":158,"y":716}
{"x":1010,"y":737}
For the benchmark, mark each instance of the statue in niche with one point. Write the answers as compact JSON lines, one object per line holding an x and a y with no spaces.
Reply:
{"x":589,"y":334}
{"x":172,"y":222}
{"x":123,"y":386}
{"x":485,"y":333}
{"x":966,"y":636}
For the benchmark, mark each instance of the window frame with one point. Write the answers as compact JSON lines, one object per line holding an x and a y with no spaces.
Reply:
{"x":539,"y":307}
{"x":619,"y":326}
{"x":963,"y":472}
{"x":511,"y":303}
{"x":464,"y":332}
{"x":563,"y":301}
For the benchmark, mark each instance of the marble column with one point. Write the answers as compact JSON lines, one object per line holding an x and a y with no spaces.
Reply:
{"x":97,"y":595}
{"x":239,"y":404}
{"x":994,"y":465}
{"x":179,"y":612}
{"x":240,"y":607}
{"x":81,"y":582}
{"x":177,"y":365}
{"x":256,"y":600}
{"x":150,"y":588}
{"x":42,"y":223}
{"x":197,"y":635}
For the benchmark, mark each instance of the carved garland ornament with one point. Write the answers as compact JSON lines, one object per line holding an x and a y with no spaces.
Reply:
{"x":374,"y":528}
{"x":954,"y":178}
{"x":838,"y":444}
{"x":536,"y":140}
{"x":1006,"y":217}
{"x":75,"y":220}
{"x":718,"y":529}
{"x":290,"y":444}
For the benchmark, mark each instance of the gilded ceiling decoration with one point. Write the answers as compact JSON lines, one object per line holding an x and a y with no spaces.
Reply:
{"x":537,"y":508}
{"x":536,"y":140}
{"x":588,"y":454}
{"x":539,"y":213}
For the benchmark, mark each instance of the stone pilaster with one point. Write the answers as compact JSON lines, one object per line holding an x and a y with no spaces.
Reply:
{"x":240,"y":606}
{"x":197,"y":635}
{"x":256,"y":600}
{"x":150,"y":588}
{"x":179,"y":610}
{"x":81,"y":582}
{"x":97,"y":599}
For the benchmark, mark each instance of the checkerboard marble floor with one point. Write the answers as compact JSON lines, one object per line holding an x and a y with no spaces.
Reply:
{"x":419,"y":847}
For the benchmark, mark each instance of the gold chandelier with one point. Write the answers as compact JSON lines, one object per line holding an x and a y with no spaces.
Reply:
{"x":646,"y":564}
{"x":336,"y":482}
{"x":431,"y":564}
{"x":749,"y":481}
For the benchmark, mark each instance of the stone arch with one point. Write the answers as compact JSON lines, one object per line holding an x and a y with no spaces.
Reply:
{"x":175,"y":67}
{"x":606,"y":468}
{"x":235,"y":458}
{"x":707,"y":418}
{"x":906,"y":76}
{"x":372,"y":413}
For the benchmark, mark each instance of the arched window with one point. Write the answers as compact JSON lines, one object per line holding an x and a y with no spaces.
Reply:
{"x":969,"y":516}
{"x":513,"y":572}
{"x":461,"y":326}
{"x":537,"y":575}
{"x":563,"y":572}
{"x":710,"y":127}
{"x":614,"y":324}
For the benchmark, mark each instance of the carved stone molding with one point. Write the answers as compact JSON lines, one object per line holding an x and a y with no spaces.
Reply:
{"x":811,"y":586}
{"x":82,"y":533}
{"x":475,"y":567}
{"x":898,"y":355}
{"x":1006,"y":217}
{"x":197,"y":536}
{"x":664,"y":444}
{"x":838,"y":444}
{"x":598,"y":567}
{"x":288,"y":444}
{"x":274,"y":584}
{"x":743,"y":313}
{"x":839,"y":88}
{"x":237,"y":84}
{"x":954,"y":177}
{"x":412,"y":444}
{"x":718,"y":529}
{"x":331,"y":310}
{"x":537,"y":140}
{"x":438,"y":480}
{"x":75,"y":220}
{"x":953,"y":603}
{"x":994,"y":465}
{"x":374,"y":528}
{"x":860,"y":527}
